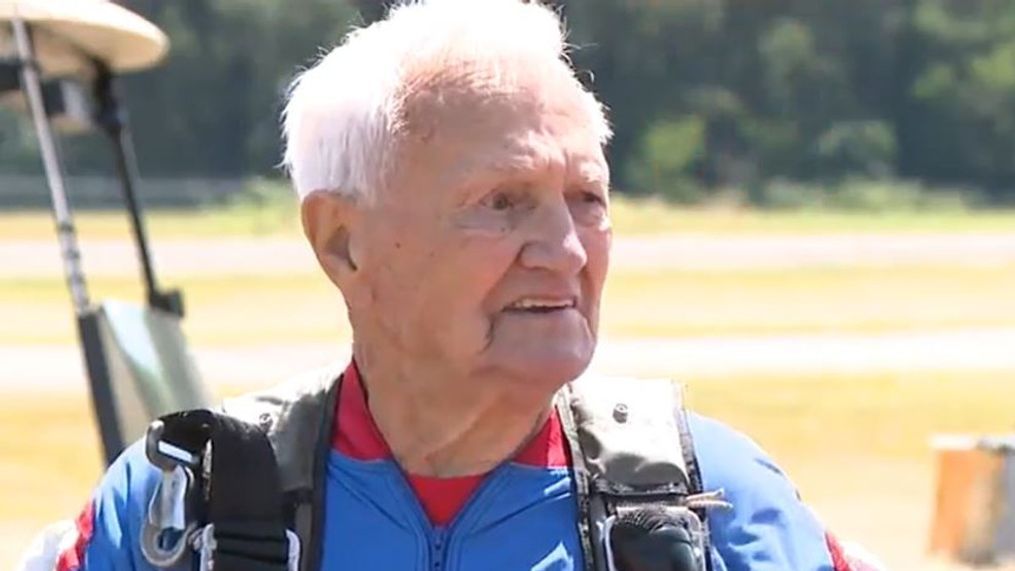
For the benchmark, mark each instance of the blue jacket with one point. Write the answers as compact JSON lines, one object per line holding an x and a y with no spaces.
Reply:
{"x":520,"y":518}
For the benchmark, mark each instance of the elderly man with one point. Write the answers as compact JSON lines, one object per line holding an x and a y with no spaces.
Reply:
{"x":454,"y":189}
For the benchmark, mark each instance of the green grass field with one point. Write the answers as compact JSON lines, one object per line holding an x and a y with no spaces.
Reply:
{"x":277,"y":217}
{"x":855,"y":444}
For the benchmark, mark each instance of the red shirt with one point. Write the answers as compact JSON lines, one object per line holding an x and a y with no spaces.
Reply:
{"x":356,"y":436}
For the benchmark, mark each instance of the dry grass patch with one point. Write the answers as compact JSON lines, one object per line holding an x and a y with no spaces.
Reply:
{"x":225,"y":310}
{"x":673,"y":303}
{"x":857,"y":446}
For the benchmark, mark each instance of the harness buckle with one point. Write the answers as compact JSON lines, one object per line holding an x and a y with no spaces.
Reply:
{"x":205,"y":544}
{"x":165,"y":532}
{"x":678,"y":532}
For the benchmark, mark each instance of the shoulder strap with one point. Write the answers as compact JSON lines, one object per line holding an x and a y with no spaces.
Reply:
{"x":695,"y":485}
{"x":630,"y":447}
{"x":293,"y":414}
{"x":205,"y":458}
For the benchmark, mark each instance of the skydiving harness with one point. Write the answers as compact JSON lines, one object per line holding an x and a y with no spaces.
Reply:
{"x":241,"y":490}
{"x":218,"y":470}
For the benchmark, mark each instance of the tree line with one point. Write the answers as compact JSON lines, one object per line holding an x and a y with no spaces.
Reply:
{"x":705,"y":95}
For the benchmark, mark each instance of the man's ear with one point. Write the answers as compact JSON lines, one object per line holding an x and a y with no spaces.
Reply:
{"x":328,"y":218}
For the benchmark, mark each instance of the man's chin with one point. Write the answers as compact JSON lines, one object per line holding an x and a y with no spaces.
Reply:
{"x":547,"y":370}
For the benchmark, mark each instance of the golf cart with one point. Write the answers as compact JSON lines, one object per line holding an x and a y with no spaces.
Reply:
{"x":59,"y":63}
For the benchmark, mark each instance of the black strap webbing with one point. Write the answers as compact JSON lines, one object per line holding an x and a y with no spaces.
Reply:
{"x":695,"y":483}
{"x":244,"y":494}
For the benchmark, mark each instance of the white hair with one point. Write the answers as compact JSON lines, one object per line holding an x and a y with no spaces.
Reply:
{"x":344,"y":113}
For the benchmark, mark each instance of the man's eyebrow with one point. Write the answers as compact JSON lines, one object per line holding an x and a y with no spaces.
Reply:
{"x":471,"y":181}
{"x":515,"y":166}
{"x":592,"y":172}
{"x":521,"y":165}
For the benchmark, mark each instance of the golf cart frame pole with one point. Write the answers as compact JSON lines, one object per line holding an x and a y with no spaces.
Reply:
{"x":64,"y":219}
{"x":113,"y":119}
{"x":88,"y":327}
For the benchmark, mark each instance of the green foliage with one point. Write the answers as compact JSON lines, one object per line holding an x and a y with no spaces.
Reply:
{"x":789,"y":195}
{"x":894,"y":196}
{"x":864,"y":148}
{"x":664,"y":162}
{"x":704,"y":95}
{"x":962,"y":126}
{"x":864,"y":195}
{"x":792,"y":65}
{"x":19,"y":151}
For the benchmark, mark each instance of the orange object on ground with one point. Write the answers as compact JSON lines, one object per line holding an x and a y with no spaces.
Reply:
{"x":974,"y":515}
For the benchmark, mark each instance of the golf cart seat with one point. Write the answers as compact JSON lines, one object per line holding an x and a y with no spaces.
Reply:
{"x":149,"y":369}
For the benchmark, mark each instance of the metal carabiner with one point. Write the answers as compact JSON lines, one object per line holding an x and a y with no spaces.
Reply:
{"x":165,"y":533}
{"x":162,"y":454}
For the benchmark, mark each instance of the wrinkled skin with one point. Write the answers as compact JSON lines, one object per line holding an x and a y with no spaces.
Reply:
{"x":496,"y":198}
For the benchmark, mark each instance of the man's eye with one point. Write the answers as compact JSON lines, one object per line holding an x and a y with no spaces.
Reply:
{"x":588,"y":198}
{"x":500,"y":202}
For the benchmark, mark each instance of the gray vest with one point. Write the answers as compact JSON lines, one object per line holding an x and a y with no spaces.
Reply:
{"x":628,"y":439}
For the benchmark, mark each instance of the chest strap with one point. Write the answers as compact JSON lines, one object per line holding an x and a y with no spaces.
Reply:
{"x":299,"y":418}
{"x":631,"y":449}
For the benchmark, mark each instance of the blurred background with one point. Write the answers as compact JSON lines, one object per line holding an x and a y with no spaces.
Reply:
{"x":814,"y":205}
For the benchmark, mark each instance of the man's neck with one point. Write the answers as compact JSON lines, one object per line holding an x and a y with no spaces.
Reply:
{"x":439,"y":426}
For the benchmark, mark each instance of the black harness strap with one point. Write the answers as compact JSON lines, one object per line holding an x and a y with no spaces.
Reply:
{"x":309,"y":515}
{"x":241,"y":491}
{"x":586,"y":519}
{"x":616,"y":473}
{"x":695,"y":483}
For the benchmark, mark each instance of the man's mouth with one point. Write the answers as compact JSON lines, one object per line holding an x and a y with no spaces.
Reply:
{"x":541,"y":305}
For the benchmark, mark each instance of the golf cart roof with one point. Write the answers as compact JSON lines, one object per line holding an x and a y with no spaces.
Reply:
{"x":69,"y":32}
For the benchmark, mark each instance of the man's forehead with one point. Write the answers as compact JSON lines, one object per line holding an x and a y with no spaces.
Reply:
{"x":531,"y":160}
{"x":476,"y":131}
{"x":552,"y":153}
{"x":471,"y":93}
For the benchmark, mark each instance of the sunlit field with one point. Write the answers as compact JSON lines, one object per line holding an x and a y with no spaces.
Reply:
{"x":855,"y":442}
{"x":630,"y":217}
{"x":638,"y":303}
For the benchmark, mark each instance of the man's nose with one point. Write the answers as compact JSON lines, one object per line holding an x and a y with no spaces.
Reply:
{"x":553,"y":241}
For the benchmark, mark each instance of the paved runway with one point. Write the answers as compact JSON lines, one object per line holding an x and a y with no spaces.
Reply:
{"x":986,"y":349}
{"x":59,"y":367}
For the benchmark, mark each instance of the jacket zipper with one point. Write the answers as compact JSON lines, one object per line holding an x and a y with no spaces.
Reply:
{"x":440,"y":536}
{"x":438,"y":544}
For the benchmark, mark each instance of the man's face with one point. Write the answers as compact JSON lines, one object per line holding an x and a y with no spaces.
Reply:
{"x":489,"y":249}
